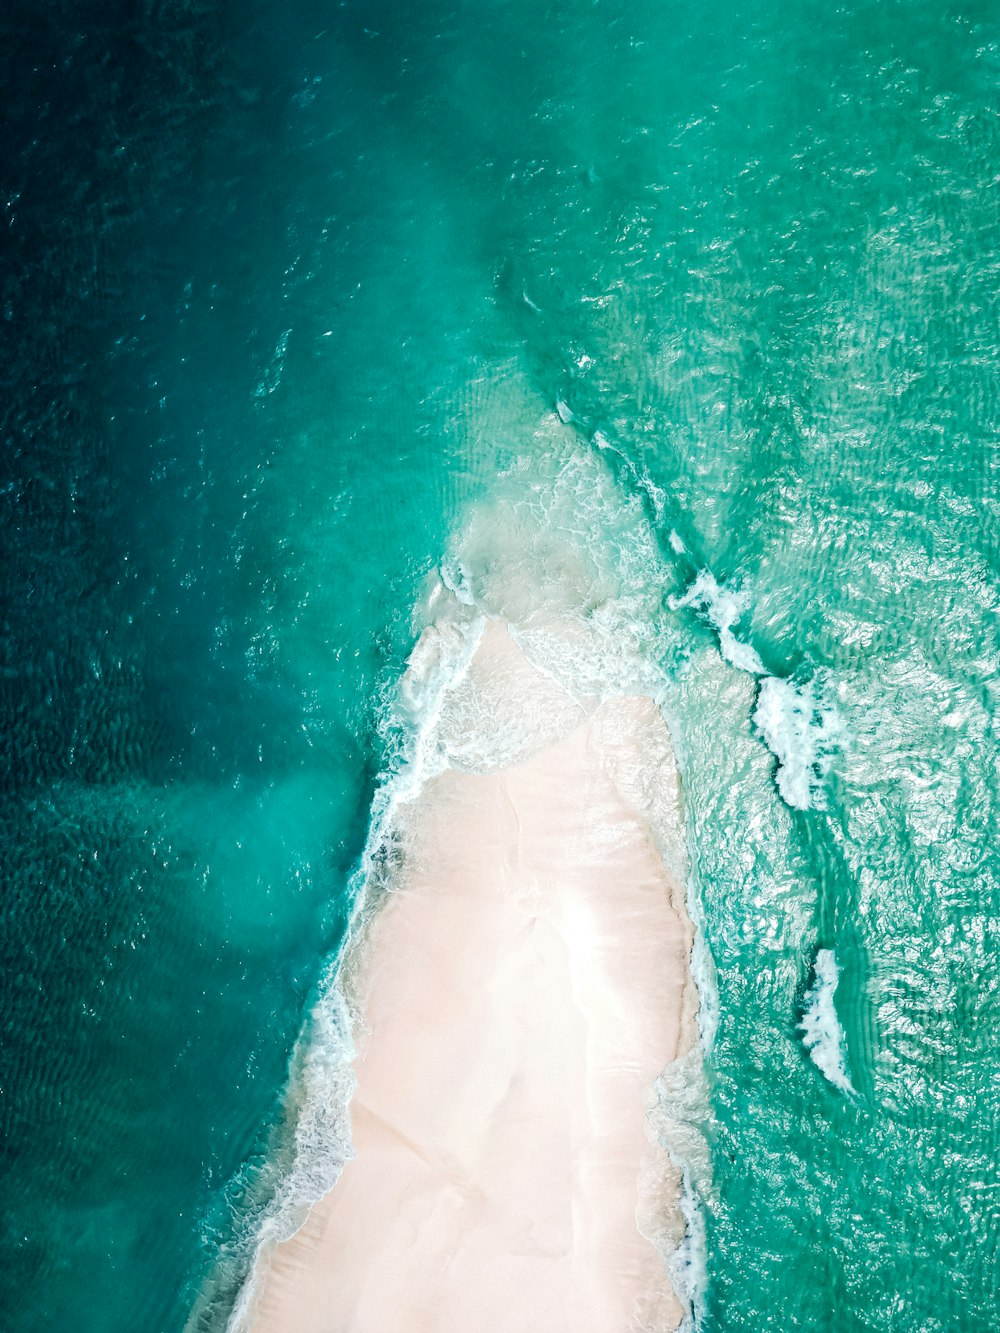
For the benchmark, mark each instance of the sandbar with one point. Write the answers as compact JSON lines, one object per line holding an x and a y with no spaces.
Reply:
{"x":520,"y":988}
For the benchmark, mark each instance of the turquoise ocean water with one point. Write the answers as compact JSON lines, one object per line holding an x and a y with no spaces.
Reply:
{"x":291,"y":292}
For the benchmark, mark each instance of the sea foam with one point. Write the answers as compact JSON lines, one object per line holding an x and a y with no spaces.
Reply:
{"x":723,"y":607}
{"x":803,"y":731}
{"x":822,"y":1035}
{"x":796,"y":721}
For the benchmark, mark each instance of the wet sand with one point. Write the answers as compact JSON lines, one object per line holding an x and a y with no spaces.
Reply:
{"x":521,"y":987}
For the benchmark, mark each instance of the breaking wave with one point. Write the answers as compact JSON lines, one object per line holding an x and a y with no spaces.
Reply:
{"x":822,"y":1035}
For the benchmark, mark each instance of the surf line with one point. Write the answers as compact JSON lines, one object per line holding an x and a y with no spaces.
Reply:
{"x":796,"y":719}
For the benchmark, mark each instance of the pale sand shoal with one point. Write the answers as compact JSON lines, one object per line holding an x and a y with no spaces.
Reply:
{"x":522,"y":988}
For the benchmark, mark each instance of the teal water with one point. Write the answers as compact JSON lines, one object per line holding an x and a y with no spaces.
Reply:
{"x":287,"y":292}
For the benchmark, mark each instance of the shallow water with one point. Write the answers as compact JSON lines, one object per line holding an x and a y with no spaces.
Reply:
{"x":289,"y":297}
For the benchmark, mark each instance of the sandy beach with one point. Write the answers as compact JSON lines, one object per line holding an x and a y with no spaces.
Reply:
{"x":522,"y":986}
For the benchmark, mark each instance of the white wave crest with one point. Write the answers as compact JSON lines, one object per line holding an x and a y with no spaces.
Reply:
{"x":803,"y":732}
{"x":723,"y":607}
{"x":800,"y":727}
{"x":822,"y":1034}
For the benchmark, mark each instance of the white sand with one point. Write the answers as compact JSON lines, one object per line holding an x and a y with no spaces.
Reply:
{"x":522,"y":988}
